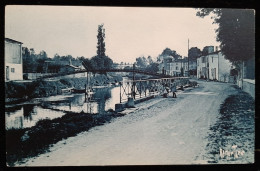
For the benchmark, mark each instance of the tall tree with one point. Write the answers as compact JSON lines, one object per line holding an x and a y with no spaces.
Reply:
{"x":236,"y":32}
{"x":101,"y":43}
{"x":194,"y":53}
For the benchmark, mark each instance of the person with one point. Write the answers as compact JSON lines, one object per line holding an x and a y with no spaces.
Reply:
{"x":173,"y":90}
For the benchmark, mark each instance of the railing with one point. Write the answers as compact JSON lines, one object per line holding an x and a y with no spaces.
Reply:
{"x":149,"y":87}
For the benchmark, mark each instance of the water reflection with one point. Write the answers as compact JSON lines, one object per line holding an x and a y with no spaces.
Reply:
{"x":102,"y":100}
{"x":28,"y":115}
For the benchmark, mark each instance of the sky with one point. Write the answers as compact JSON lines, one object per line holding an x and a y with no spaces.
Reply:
{"x":130,"y":32}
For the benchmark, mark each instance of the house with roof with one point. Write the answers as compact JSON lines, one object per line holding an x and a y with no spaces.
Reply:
{"x":13,"y":60}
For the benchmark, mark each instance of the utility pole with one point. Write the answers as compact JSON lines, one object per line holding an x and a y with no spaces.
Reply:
{"x":188,"y":60}
{"x":133,"y":88}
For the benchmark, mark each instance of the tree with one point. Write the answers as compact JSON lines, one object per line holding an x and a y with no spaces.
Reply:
{"x":168,"y":52}
{"x":236,"y":32}
{"x":101,"y":44}
{"x":141,"y":62}
{"x":150,"y":60}
{"x":194,"y":53}
{"x":153,"y":68}
{"x":43,"y":55}
{"x":29,"y":60}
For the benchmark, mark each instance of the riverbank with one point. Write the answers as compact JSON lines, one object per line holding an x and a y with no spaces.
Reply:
{"x":17,"y":92}
{"x":30,"y":142}
{"x":232,"y":136}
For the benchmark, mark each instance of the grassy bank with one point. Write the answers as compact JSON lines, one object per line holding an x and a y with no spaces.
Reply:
{"x":16,"y":92}
{"x":234,"y":130}
{"x":29,"y":142}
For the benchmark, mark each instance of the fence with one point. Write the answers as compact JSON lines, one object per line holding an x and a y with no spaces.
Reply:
{"x":143,"y":88}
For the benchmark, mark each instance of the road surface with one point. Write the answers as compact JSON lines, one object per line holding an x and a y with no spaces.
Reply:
{"x":160,"y":131}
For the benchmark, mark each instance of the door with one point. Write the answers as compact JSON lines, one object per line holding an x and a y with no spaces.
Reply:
{"x":7,"y":73}
{"x":215,"y":73}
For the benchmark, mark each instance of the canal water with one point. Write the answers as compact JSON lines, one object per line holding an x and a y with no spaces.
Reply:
{"x":27,"y":115}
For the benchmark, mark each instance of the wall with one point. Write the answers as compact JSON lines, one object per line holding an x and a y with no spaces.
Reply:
{"x":31,"y":76}
{"x":249,"y":87}
{"x":213,"y":66}
{"x":13,"y":59}
{"x":13,"y":53}
{"x":18,"y":71}
{"x":201,"y":67}
{"x":249,"y":68}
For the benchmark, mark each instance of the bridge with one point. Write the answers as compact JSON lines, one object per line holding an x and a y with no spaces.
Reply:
{"x":139,"y":71}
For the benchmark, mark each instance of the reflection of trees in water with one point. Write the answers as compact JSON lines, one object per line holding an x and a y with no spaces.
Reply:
{"x":9,"y":110}
{"x":102,"y":95}
{"x":28,"y":111}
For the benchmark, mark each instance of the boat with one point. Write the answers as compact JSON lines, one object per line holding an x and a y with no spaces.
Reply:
{"x":89,"y":91}
{"x":66,"y":90}
{"x":78,"y":90}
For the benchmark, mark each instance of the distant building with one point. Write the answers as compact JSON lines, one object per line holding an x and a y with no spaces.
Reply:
{"x":207,"y":50}
{"x":13,"y":60}
{"x":214,"y":67}
{"x":174,"y":67}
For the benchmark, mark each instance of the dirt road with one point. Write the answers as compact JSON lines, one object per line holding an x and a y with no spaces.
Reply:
{"x":160,"y":131}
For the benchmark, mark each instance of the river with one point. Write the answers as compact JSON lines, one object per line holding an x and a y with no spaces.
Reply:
{"x":27,"y":114}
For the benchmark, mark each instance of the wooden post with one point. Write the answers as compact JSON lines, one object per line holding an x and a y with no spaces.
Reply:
{"x":120,"y":92}
{"x":140,"y":89}
{"x":85,"y":92}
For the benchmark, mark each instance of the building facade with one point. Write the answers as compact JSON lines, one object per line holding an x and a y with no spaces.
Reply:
{"x":13,"y":60}
{"x":214,"y":66}
{"x":174,"y":67}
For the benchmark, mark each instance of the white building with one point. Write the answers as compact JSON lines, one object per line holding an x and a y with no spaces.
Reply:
{"x":178,"y":67}
{"x":214,"y":66}
{"x":174,"y":67}
{"x":13,"y":60}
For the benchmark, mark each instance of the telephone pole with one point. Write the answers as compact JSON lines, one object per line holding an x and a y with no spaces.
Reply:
{"x":188,"y":60}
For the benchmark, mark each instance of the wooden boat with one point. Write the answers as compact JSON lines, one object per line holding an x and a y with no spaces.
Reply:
{"x":66,"y":90}
{"x":78,"y":90}
{"x":82,"y":91}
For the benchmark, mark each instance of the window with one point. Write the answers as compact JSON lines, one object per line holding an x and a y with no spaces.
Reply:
{"x":212,"y":59}
{"x":176,"y":68}
{"x":203,"y":60}
{"x":12,"y":70}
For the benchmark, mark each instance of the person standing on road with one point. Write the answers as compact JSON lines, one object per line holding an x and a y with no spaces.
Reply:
{"x":173,"y":90}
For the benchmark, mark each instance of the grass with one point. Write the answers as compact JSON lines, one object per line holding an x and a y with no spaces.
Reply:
{"x":235,"y":125}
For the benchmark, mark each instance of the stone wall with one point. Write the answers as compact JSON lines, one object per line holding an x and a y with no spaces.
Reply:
{"x":249,"y":87}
